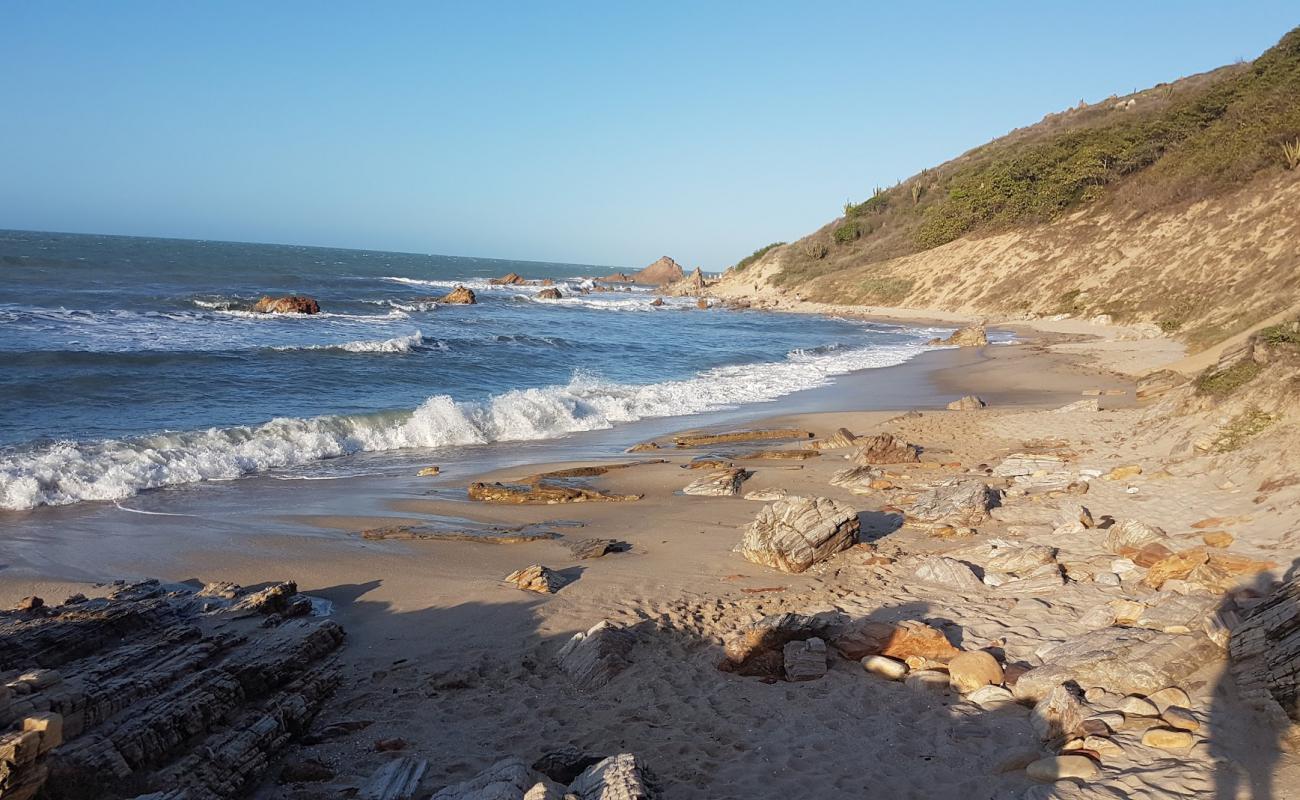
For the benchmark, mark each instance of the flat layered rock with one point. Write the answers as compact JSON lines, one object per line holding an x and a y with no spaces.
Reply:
{"x":805,"y":660}
{"x":962,"y":501}
{"x":721,"y":483}
{"x":592,"y":658}
{"x":885,"y":448}
{"x":537,"y":578}
{"x":780,"y":455}
{"x":486,"y":534}
{"x":948,"y":573}
{"x":543,"y":494}
{"x":793,"y":534}
{"x":732,"y":437}
{"x":1265,"y":650}
{"x":843,"y":437}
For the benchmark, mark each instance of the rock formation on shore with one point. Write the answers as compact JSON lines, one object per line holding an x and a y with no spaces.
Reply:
{"x":461,"y":295}
{"x":662,"y":272}
{"x":289,"y":304}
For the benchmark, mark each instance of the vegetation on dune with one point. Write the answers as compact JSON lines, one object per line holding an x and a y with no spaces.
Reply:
{"x":1223,"y":382}
{"x":1241,"y":429}
{"x":756,"y":255}
{"x":1173,"y":143}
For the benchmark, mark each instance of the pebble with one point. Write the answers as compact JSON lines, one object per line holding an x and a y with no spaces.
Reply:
{"x":929,"y":680}
{"x":1180,"y":718}
{"x":1103,"y":746}
{"x":1134,"y":706}
{"x":969,"y":671}
{"x":1167,"y":739}
{"x":1054,"y":768}
{"x":1107,"y":579}
{"x":885,"y":667}
{"x":991,"y":697}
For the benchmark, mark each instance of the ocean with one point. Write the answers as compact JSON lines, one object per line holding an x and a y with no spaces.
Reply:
{"x":130,"y":364}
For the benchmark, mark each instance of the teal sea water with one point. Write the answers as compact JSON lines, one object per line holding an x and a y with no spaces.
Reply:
{"x":129,"y":364}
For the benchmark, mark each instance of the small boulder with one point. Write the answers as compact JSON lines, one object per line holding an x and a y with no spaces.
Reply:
{"x":1057,"y":715}
{"x":793,"y":534}
{"x":805,"y":660}
{"x":970,"y":671}
{"x":962,"y":501}
{"x":290,"y":304}
{"x":428,"y":472}
{"x":550,"y":294}
{"x":537,"y":578}
{"x":947,"y":572}
{"x":885,"y":448}
{"x":592,"y":658}
{"x":1127,"y":536}
{"x":886,"y":667}
{"x":461,"y":295}
{"x":722,"y":483}
{"x":972,"y":336}
{"x":968,"y":403}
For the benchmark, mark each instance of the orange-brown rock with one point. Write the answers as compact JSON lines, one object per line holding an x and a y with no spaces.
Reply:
{"x":290,"y":304}
{"x":1220,"y":539}
{"x":549,"y":294}
{"x":731,"y":437}
{"x":885,"y":448}
{"x":663,"y":271}
{"x":461,"y":295}
{"x":894,"y":639}
{"x":1179,"y":565}
{"x":509,"y":279}
{"x":1149,"y":554}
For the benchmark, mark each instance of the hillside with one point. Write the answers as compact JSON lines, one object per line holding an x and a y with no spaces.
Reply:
{"x":1175,"y":205}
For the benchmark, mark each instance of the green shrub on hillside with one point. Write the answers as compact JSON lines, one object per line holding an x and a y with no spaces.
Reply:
{"x":1221,"y":383}
{"x":1287,"y":333}
{"x":754,"y":256}
{"x":847,"y":232}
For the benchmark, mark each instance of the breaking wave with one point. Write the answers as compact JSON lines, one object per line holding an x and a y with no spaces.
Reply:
{"x":398,"y":344}
{"x":69,"y":472}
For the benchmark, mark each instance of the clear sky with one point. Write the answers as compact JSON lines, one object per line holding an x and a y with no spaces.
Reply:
{"x":603,"y":132}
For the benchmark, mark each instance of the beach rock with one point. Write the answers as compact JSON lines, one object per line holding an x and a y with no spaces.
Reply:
{"x":858,"y":480}
{"x":549,"y":294}
{"x":461,"y":295}
{"x":595,"y":548}
{"x":428,"y":472}
{"x":1168,"y":739}
{"x":1057,"y":715}
{"x":968,"y":403}
{"x":1156,"y":384}
{"x":1038,"y":582}
{"x":843,"y":437}
{"x":931,"y":681}
{"x":947,"y":572}
{"x":956,"y":501}
{"x":507,"y":779}
{"x":657,"y":302}
{"x":972,"y":336}
{"x":723,"y":483}
{"x":542,"y":494}
{"x":781,"y":455}
{"x":29,"y":604}
{"x":1072,"y":517}
{"x":970,"y":671}
{"x":884,"y":448}
{"x":398,"y":779}
{"x":1026,"y":464}
{"x":1018,"y":559}
{"x":1127,"y":536}
{"x":793,"y":534}
{"x":290,"y":304}
{"x":1180,"y":719}
{"x":1056,"y":768}
{"x":1134,"y":706}
{"x":663,"y":271}
{"x":620,"y":777}
{"x":767,"y":495}
{"x":858,"y":639}
{"x":991,"y":697}
{"x":617,"y":277}
{"x":1170,"y":696}
{"x":708,"y":462}
{"x":732,"y":437}
{"x":592,"y":658}
{"x":759,"y":648}
{"x":703,"y":304}
{"x":805,"y":660}
{"x":1122,"y":660}
{"x":1123,"y":473}
{"x":886,"y":667}
{"x":566,"y":764}
{"x":537,"y":578}
{"x":1265,"y":652}
{"x":1219,"y":539}
{"x":644,"y":447}
{"x":1179,"y":565}
{"x":509,"y":279}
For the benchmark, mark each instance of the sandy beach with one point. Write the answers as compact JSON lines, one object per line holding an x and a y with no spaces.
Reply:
{"x":462,"y":669}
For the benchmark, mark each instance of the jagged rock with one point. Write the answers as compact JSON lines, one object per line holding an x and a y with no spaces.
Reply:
{"x":509,"y":279}
{"x":793,"y":534}
{"x":1127,"y":536}
{"x":1175,"y":566}
{"x":947,"y":572}
{"x":1057,"y":715}
{"x":657,"y":302}
{"x":1002,"y":555}
{"x":858,"y":480}
{"x":620,"y":777}
{"x":661,"y":272}
{"x":959,"y":501}
{"x":29,"y":604}
{"x":537,"y":578}
{"x":507,"y":779}
{"x":1265,"y":652}
{"x":592,"y":658}
{"x":732,"y":437}
{"x":550,"y":294}
{"x":901,"y":640}
{"x":1072,"y":517}
{"x":722,"y":483}
{"x":277,"y":598}
{"x":973,"y":670}
{"x":1123,"y":660}
{"x":843,"y":437}
{"x":595,"y":548}
{"x":972,"y":336}
{"x":542,"y":494}
{"x":461,"y":295}
{"x":290,"y":304}
{"x":767,"y":495}
{"x":617,"y":277}
{"x":805,"y":660}
{"x":885,"y":448}
{"x":968,"y":403}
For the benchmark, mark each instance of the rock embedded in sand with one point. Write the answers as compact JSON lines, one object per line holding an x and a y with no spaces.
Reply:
{"x":289,"y":304}
{"x":886,"y":667}
{"x":968,"y":403}
{"x":1123,"y":473}
{"x":722,"y":483}
{"x":537,"y":578}
{"x":793,"y":534}
{"x":461,"y":295}
{"x":731,"y":437}
{"x":585,"y":549}
{"x":781,"y":455}
{"x":767,"y":495}
{"x":542,"y":494}
{"x":1127,"y":536}
{"x":972,"y":670}
{"x":1056,"y":768}
{"x":843,"y":437}
{"x":1219,"y":539}
{"x":620,"y":777}
{"x":927,"y":680}
{"x":972,"y":336}
{"x":805,"y":660}
{"x":885,"y":448}
{"x":1124,"y":660}
{"x":858,"y":480}
{"x":901,"y":640}
{"x":992,"y":697}
{"x":1168,"y":739}
{"x":956,"y":501}
{"x":948,"y":573}
{"x":1057,"y":715}
{"x":592,"y":658}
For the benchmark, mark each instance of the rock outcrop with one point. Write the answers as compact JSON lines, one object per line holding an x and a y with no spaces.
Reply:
{"x":592,"y":658}
{"x":550,"y":294}
{"x":970,"y":402}
{"x":1265,"y":651}
{"x":722,"y":483}
{"x":734,"y":437}
{"x":461,"y":296}
{"x":885,"y":448}
{"x":661,"y":272}
{"x":793,"y":534}
{"x":972,"y":336}
{"x":956,"y":501}
{"x":289,"y":304}
{"x":509,"y":279}
{"x":537,"y":578}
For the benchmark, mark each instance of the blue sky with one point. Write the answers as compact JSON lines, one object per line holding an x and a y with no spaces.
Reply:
{"x":602,"y":132}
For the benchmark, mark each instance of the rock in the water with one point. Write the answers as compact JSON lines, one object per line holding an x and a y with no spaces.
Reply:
{"x":972,"y":336}
{"x":793,"y":534}
{"x":509,"y":279}
{"x":957,"y":501}
{"x":970,"y":671}
{"x":461,"y":295}
{"x":885,"y":448}
{"x":885,"y":667}
{"x":428,"y":472}
{"x":290,"y":304}
{"x":805,"y":660}
{"x":722,"y":483}
{"x":1057,"y":715}
{"x":591,"y":659}
{"x":968,"y":403}
{"x":661,"y":272}
{"x":1123,"y":660}
{"x":549,"y":294}
{"x":947,"y":572}
{"x":1055,"y":768}
{"x":537,"y":578}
